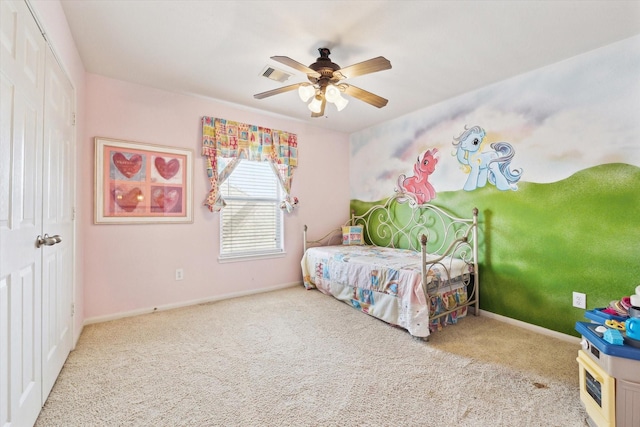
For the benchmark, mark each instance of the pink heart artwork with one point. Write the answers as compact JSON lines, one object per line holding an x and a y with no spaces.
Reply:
{"x":165,"y":200}
{"x":128,"y":167}
{"x":127,"y":200}
{"x":167,"y":170}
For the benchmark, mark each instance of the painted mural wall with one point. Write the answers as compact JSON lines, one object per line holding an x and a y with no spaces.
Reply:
{"x":551,"y":159}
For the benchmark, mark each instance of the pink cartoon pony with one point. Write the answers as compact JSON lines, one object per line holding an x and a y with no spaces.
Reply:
{"x":418,"y":184}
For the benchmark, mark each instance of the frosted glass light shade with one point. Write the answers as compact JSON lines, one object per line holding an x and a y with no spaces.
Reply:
{"x":315,"y":105}
{"x":332,"y":93}
{"x":340,"y":103}
{"x":306,"y":92}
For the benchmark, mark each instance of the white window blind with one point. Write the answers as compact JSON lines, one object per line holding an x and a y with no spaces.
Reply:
{"x":251,"y":222}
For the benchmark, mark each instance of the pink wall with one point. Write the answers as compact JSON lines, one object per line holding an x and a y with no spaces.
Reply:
{"x":131,"y":268}
{"x":123,"y":269}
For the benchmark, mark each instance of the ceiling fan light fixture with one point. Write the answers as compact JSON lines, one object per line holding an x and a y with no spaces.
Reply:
{"x":332,"y":93}
{"x":325,"y":82}
{"x":306,"y":92}
{"x":340,"y":103}
{"x":315,"y":105}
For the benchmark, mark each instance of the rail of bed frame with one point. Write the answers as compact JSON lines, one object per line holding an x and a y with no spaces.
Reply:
{"x":415,"y":234}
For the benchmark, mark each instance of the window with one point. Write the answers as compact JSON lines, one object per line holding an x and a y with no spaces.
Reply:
{"x":251,"y":221}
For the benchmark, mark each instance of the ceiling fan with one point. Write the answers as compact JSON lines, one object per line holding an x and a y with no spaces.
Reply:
{"x":325,"y":82}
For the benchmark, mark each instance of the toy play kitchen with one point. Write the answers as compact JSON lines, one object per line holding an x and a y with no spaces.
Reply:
{"x":609,"y":364}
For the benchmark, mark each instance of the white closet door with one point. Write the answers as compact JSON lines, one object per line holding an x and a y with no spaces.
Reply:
{"x":22,"y":62}
{"x":58,"y":202}
{"x":36,"y":199}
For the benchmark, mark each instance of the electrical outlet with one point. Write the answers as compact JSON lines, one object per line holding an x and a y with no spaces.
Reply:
{"x":580,"y":300}
{"x":179,"y":274}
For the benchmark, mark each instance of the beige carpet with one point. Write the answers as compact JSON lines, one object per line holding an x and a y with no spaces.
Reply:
{"x":299,"y":358}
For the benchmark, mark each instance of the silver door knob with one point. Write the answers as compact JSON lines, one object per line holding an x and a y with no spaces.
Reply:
{"x":47,"y":240}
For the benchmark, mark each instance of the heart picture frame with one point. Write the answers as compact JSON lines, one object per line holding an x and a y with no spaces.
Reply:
{"x":138,"y":183}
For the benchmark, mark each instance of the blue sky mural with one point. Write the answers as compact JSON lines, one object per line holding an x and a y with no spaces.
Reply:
{"x":566,"y":117}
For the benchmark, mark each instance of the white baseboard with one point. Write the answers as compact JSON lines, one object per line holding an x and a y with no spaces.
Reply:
{"x":529,"y":326}
{"x":121,"y":315}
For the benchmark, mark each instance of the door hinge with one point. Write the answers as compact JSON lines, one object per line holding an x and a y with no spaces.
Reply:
{"x":73,"y":119}
{"x":73,"y":213}
{"x":73,"y":309}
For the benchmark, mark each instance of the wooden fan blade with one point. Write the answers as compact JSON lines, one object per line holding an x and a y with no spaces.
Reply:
{"x":321,"y":113}
{"x":277,"y":91}
{"x":363,"y":95}
{"x":295,"y":64}
{"x":371,"y":66}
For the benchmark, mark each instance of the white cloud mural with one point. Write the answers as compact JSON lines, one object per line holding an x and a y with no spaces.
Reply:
{"x":560,"y":119}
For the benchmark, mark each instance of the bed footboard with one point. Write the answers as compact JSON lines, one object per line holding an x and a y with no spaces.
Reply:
{"x":463,"y":247}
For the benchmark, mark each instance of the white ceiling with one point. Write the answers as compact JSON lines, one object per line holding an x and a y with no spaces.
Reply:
{"x":438,"y":49}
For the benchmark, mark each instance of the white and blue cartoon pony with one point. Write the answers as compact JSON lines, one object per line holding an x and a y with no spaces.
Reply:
{"x":491,"y":166}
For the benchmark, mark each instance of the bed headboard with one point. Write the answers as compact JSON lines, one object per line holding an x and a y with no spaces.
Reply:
{"x":400,"y":222}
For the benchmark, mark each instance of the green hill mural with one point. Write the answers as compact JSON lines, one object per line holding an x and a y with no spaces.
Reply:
{"x":540,"y":243}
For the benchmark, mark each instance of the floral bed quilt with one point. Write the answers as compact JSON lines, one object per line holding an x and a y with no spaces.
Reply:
{"x":386,"y":283}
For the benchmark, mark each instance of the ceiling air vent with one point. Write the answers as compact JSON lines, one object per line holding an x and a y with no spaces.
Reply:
{"x":275,"y":74}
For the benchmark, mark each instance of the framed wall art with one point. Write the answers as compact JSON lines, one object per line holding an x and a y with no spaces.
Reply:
{"x":142,"y":183}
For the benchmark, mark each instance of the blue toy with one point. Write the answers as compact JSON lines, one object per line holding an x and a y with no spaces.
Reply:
{"x":613,"y":336}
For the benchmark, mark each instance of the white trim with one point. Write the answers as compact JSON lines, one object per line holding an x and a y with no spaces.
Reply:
{"x":250,"y":257}
{"x":531,"y":327}
{"x":121,"y":315}
{"x":36,"y":17}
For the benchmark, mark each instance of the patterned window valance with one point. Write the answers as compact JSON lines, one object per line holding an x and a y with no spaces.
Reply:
{"x":227,"y":139}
